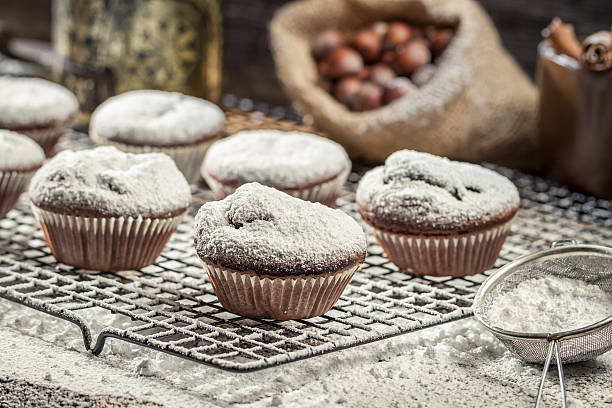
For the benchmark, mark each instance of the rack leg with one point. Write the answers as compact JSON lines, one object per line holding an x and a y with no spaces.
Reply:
{"x":561,"y":376}
{"x":544,"y":372}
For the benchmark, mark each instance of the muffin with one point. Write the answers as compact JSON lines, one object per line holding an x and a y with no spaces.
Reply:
{"x":20,"y":157}
{"x":434,"y":216}
{"x":145,"y":121}
{"x":270,"y":255}
{"x":300,"y":164}
{"x":36,"y":108}
{"x":104,"y":209}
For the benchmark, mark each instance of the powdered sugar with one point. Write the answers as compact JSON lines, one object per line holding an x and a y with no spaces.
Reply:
{"x":423,"y":192}
{"x":276,"y":158}
{"x":30,"y":102}
{"x":112,"y":183}
{"x":156,"y":118}
{"x":266,"y":231}
{"x":455,"y":364}
{"x":19,"y":152}
{"x":550,"y":304}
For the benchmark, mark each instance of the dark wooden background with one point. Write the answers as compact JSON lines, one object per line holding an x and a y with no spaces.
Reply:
{"x":248,"y":65}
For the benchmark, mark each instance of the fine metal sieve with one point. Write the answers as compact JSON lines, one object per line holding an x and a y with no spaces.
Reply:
{"x":566,"y":259}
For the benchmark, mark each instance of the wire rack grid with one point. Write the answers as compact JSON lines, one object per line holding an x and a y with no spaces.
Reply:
{"x":172,"y":307}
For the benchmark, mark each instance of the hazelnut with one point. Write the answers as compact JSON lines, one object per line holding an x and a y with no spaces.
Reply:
{"x":397,"y":88}
{"x":388,"y":57}
{"x":344,"y":61}
{"x":323,"y":68}
{"x":380,"y":28}
{"x":412,"y":55}
{"x":417,"y":32}
{"x":368,"y":44}
{"x":382,"y":74}
{"x":397,"y":33}
{"x":423,"y":74}
{"x":364,"y":73}
{"x":346,"y":89}
{"x":369,"y":96}
{"x":327,"y":41}
{"x":439,"y":40}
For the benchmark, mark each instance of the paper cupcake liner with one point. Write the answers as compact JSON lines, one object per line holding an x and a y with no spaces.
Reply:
{"x":280,"y":298}
{"x":325,"y":193}
{"x":453,"y":255}
{"x":187,"y":158}
{"x":105,"y":244}
{"x":12,"y":184}
{"x":48,"y":137}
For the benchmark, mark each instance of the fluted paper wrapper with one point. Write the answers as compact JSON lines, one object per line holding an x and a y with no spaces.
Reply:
{"x":453,"y":255}
{"x":280,"y":298}
{"x":105,"y":244}
{"x":325,"y":193}
{"x":188,"y":159}
{"x":12,"y":184}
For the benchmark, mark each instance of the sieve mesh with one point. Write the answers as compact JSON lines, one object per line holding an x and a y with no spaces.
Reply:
{"x":578,"y":263}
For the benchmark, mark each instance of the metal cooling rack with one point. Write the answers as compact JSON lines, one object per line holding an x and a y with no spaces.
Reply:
{"x":172,"y":307}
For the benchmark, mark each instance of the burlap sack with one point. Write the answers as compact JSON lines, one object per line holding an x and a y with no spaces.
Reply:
{"x":480,"y":106}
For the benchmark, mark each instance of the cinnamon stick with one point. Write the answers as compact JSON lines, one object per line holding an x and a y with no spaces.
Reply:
{"x":597,"y":52}
{"x":562,"y":38}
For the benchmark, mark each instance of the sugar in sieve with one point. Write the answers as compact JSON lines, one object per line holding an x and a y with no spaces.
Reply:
{"x":565,"y":259}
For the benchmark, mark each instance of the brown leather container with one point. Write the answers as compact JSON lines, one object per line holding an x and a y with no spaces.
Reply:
{"x":575,"y":123}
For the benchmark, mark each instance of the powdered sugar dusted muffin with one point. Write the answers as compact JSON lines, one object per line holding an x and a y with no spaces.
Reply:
{"x":271,"y":255}
{"x":36,"y":108}
{"x":109,"y":210}
{"x":301,"y":164}
{"x":156,"y":121}
{"x":20,"y":157}
{"x":434,"y":216}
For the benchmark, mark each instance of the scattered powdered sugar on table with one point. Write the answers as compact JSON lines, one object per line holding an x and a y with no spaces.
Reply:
{"x":264,"y":230}
{"x":276,"y":158}
{"x":422,"y":192}
{"x":19,"y":152}
{"x":157,"y":118}
{"x":455,"y":364}
{"x":28,"y":102}
{"x":550,"y":304}
{"x":111,"y":182}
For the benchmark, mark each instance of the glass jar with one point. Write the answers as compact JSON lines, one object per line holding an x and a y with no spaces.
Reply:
{"x":112,"y":46}
{"x":575,"y":122}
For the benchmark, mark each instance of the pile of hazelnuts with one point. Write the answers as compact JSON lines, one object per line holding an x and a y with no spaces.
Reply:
{"x":380,"y":63}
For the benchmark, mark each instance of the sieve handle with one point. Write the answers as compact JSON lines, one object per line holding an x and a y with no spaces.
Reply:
{"x":563,"y":242}
{"x":553,"y":346}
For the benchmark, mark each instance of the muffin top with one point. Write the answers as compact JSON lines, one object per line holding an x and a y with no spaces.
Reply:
{"x":418,"y":193}
{"x":275,"y":158}
{"x":27,"y":103}
{"x":19,"y":152}
{"x":156,"y":118}
{"x":106,"y":182}
{"x":265,"y":231}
